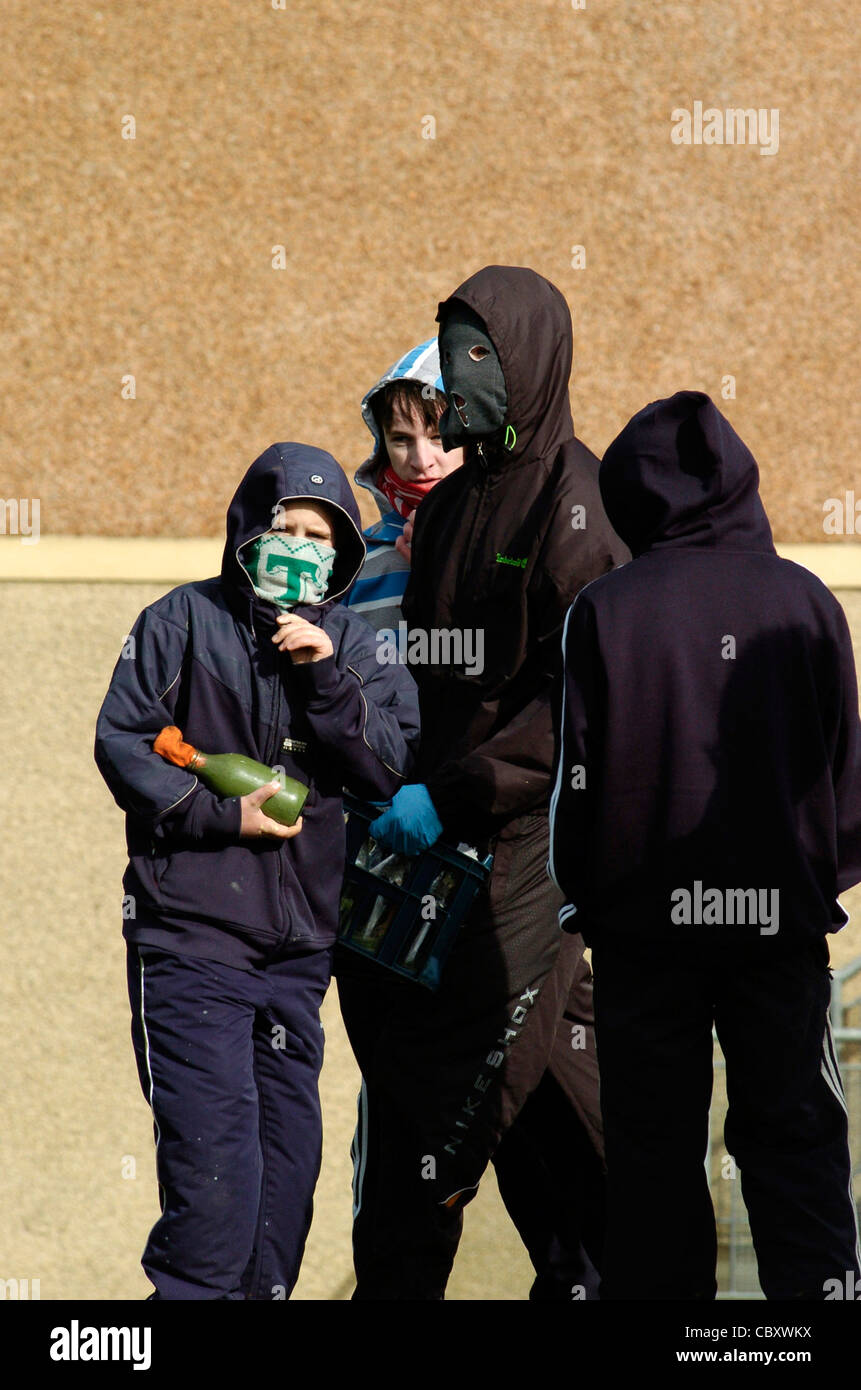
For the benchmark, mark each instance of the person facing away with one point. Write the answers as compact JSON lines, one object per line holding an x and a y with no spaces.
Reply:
{"x":706,"y":813}
{"x":235,"y":916}
{"x":549,"y":1162}
{"x":500,"y":548}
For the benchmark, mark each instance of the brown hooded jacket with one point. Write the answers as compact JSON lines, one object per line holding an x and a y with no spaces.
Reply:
{"x":501,"y":548}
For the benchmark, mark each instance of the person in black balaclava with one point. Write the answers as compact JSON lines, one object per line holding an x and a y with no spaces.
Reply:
{"x":706,"y":814}
{"x":500,"y":547}
{"x":473,"y":371}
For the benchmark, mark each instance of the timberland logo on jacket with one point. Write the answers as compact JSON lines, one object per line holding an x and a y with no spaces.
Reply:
{"x":718,"y":907}
{"x":509,"y":560}
{"x":461,"y":648}
{"x":737,"y":125}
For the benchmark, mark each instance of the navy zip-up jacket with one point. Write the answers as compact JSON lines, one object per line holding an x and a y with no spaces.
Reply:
{"x":202,"y":658}
{"x":710,"y":731}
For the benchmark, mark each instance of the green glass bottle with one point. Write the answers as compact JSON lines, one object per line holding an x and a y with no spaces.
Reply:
{"x":233,"y":774}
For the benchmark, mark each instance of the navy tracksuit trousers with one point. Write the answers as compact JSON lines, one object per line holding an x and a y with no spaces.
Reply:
{"x":229,"y":1061}
{"x":655,"y":1002}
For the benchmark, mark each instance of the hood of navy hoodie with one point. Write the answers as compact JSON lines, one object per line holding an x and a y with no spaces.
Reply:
{"x":421,"y":363}
{"x":710,"y":695}
{"x":292,"y":473}
{"x":679,"y":475}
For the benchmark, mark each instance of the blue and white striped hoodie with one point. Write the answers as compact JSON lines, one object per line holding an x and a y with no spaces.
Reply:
{"x":378,"y":591}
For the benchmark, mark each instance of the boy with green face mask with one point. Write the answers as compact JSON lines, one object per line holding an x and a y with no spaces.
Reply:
{"x":235,"y":915}
{"x":292,"y":563}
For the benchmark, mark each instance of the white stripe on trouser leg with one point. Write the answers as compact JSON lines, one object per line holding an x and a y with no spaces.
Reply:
{"x":151,"y":1083}
{"x":554,"y":800}
{"x":359,"y":1148}
{"x":831,"y":1073}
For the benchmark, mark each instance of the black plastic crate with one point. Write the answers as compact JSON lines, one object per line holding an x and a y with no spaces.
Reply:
{"x":404,"y":911}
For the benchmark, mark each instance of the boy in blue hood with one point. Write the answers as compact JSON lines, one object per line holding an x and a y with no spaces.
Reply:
{"x":402,"y":412}
{"x":234,"y":916}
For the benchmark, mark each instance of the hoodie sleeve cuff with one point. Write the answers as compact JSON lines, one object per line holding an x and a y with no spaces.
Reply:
{"x":203,"y":816}
{"x":457,"y":816}
{"x":321,"y":678}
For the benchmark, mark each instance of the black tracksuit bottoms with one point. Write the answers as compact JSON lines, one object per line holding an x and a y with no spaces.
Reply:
{"x":786,"y":1128}
{"x":446,"y":1075}
{"x":229,"y":1062}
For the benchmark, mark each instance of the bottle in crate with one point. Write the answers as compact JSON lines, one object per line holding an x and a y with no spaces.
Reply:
{"x":442,"y":890}
{"x":371,"y":856}
{"x":392,"y":869}
{"x":349,"y":895}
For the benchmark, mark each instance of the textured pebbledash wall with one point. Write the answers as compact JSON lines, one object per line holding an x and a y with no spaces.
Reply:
{"x":390,"y":151}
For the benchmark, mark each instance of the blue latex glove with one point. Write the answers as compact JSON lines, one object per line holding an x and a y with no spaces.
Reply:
{"x":411,"y":823}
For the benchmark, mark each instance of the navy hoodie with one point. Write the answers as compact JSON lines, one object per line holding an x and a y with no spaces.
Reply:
{"x":710,"y":730}
{"x":202,"y":658}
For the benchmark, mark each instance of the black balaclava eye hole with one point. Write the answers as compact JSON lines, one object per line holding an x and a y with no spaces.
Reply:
{"x":473,"y":379}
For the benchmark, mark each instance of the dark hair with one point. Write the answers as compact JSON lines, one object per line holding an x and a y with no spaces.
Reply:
{"x":413,"y":397}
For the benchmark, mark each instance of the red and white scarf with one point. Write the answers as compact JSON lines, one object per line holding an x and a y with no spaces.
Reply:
{"x":403,"y":496}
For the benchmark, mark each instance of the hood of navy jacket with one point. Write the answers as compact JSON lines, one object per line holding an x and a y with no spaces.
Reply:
{"x":679,"y":475}
{"x":529,"y":323}
{"x":419,"y":364}
{"x":292,"y":473}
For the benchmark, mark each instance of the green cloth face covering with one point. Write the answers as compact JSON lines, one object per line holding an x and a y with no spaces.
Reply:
{"x":286,"y":570}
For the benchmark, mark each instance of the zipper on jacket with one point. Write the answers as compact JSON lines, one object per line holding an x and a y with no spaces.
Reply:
{"x":275,"y":726}
{"x":270,"y":758}
{"x":482,"y":488}
{"x":276,"y":712}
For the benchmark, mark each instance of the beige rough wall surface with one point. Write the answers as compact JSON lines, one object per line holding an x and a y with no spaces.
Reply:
{"x":73,"y":1111}
{"x":303,"y":127}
